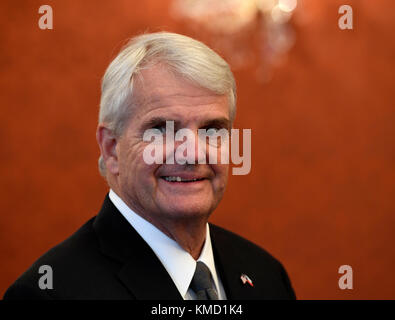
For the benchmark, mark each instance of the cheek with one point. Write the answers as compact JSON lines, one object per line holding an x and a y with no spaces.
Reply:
{"x":130,"y":160}
{"x":139,"y":171}
{"x":221,"y":176}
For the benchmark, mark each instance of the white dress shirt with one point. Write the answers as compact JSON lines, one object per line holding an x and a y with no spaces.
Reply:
{"x":178,"y":263}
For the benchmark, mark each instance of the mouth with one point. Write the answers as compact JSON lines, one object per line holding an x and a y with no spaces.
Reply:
{"x":178,"y":179}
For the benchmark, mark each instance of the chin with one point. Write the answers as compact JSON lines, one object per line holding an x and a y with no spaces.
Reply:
{"x":184,"y":209}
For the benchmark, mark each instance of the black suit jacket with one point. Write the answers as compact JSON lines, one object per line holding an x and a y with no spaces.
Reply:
{"x":107,"y":259}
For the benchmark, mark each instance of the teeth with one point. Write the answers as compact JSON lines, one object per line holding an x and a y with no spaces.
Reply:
{"x":178,"y":179}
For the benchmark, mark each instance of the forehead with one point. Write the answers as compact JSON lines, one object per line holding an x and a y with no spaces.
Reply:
{"x":158,"y":91}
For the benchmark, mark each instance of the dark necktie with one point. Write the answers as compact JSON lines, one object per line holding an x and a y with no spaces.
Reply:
{"x":201,"y":283}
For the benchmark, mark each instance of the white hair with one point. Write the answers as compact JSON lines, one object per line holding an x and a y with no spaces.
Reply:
{"x":183,"y":55}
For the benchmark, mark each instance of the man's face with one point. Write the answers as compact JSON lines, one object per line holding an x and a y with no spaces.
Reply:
{"x":162,"y":96}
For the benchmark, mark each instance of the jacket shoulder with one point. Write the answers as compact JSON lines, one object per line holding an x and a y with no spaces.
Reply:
{"x":244,"y":247}
{"x":71,"y":262}
{"x":252,"y":259}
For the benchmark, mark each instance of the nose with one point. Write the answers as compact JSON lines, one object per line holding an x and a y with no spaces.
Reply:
{"x":189,"y":148}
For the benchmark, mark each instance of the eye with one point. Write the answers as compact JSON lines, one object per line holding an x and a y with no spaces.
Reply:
{"x":216,"y":136}
{"x":161,"y":128}
{"x":211,"y":131}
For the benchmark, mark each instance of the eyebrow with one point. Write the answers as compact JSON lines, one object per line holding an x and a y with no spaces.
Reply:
{"x":220,"y":122}
{"x":155,"y":121}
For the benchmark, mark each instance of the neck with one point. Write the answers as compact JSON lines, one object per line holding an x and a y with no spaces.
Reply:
{"x":189,"y":234}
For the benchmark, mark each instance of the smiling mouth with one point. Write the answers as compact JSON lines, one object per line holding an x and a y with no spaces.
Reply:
{"x":179,"y":179}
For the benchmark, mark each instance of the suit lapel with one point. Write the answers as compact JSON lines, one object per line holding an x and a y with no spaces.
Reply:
{"x":141,"y":271}
{"x":147,"y":279}
{"x":231,"y":267}
{"x":143,"y":274}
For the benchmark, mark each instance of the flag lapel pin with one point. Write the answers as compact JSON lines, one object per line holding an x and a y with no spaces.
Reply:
{"x":245,"y":279}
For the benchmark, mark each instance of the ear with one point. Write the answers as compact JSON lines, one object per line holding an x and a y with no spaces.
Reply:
{"x":107,"y":144}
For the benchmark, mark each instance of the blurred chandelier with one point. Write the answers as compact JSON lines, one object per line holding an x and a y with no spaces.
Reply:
{"x":240,"y":28}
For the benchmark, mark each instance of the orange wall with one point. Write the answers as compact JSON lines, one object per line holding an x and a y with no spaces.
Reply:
{"x":321,"y":190}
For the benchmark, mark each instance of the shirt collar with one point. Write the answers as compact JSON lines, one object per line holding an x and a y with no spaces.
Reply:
{"x":179,"y":264}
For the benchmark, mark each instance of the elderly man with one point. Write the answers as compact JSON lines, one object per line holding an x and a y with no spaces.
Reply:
{"x":152,"y":239}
